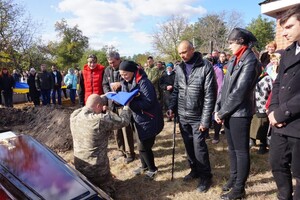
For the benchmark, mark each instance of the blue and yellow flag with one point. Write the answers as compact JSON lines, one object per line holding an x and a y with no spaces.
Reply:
{"x":21,"y":88}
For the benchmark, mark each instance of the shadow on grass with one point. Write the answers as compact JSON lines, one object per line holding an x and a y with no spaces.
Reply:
{"x":163,"y":188}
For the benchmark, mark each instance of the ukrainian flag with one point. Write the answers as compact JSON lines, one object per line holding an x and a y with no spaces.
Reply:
{"x":21,"y":88}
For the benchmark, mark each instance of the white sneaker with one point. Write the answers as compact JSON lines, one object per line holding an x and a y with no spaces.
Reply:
{"x":151,"y":175}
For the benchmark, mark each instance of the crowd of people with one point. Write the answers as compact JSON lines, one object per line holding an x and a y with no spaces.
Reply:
{"x":44,"y":87}
{"x":252,"y":97}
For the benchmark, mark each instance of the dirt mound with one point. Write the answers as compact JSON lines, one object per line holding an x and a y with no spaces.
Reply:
{"x":49,"y":125}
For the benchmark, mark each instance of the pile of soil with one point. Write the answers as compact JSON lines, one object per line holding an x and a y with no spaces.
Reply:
{"x":48,"y":124}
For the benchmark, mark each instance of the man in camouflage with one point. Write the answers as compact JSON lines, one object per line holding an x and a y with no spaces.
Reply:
{"x":153,"y":74}
{"x":90,"y":129}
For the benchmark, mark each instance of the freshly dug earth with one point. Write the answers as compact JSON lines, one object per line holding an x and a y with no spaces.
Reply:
{"x":48,"y":124}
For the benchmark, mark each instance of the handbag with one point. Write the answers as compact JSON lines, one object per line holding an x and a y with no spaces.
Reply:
{"x":71,"y":84}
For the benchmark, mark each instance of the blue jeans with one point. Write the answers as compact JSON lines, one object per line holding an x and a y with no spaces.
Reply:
{"x":72,"y":95}
{"x":57,"y":90}
{"x":46,"y":96}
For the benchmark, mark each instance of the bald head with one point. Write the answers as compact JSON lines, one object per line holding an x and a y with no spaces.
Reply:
{"x":96,"y":102}
{"x":185,"y":50}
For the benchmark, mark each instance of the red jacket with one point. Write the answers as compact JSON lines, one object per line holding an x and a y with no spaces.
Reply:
{"x":92,"y":80}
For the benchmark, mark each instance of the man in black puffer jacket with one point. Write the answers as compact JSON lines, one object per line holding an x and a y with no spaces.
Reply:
{"x":194,"y":97}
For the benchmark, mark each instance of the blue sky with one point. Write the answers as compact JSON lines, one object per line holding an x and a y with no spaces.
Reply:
{"x":127,"y":24}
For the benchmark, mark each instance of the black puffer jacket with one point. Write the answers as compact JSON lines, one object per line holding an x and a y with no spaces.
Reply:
{"x":237,"y":96}
{"x":195,"y":98}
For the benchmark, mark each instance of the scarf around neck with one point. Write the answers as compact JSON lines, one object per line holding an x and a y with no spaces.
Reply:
{"x":239,"y":54}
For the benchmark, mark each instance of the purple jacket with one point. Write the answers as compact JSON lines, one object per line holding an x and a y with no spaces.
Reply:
{"x":219,"y":76}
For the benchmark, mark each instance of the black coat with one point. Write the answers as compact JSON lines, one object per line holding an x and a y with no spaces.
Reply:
{"x":59,"y":79}
{"x":237,"y":95}
{"x":32,"y":87}
{"x":111,"y":76}
{"x":147,"y":112}
{"x":166,"y":80}
{"x":195,"y":98}
{"x":44,"y":81}
{"x":7,"y":83}
{"x":285,"y":101}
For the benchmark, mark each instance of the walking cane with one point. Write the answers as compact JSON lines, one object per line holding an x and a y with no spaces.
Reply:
{"x":173,"y":148}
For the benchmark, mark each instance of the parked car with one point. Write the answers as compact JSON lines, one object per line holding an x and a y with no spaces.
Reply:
{"x":30,"y":170}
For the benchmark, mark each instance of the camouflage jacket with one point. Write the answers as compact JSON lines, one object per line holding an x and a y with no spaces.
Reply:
{"x":90,"y":134}
{"x":153,"y":74}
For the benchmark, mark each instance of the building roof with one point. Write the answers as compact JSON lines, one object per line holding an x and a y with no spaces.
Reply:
{"x":273,"y":7}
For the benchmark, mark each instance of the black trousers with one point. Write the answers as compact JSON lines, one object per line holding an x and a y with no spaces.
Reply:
{"x":237,"y":131}
{"x":0,"y":97}
{"x":217,"y":129}
{"x":146,"y":153}
{"x":8,"y":98}
{"x":285,"y":162}
{"x":195,"y":146}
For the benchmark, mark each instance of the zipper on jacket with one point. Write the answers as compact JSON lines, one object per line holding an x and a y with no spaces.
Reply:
{"x":92,"y":82}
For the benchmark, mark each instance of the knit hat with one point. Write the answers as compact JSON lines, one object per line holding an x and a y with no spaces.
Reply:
{"x":128,"y":66}
{"x":169,"y":65}
{"x":240,"y":33}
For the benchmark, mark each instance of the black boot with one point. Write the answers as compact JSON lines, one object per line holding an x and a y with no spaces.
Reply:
{"x":234,"y":194}
{"x":230,"y":183}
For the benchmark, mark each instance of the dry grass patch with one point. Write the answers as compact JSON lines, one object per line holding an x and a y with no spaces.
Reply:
{"x":260,"y":184}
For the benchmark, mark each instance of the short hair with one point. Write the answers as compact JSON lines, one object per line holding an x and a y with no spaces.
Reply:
{"x":294,"y":11}
{"x":113,"y":55}
{"x":272,"y":43}
{"x":150,"y":57}
{"x":222,"y":52}
{"x":93,"y":56}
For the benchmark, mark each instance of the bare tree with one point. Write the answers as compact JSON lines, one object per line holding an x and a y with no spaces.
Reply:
{"x":168,"y":36}
{"x":211,"y":31}
{"x":16,"y":33}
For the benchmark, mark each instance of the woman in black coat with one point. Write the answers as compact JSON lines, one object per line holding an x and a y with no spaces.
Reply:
{"x":235,"y":108}
{"x":7,"y":83}
{"x":147,"y":114}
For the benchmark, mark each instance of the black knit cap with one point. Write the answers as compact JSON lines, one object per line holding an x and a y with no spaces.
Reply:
{"x":240,"y":33}
{"x":128,"y":66}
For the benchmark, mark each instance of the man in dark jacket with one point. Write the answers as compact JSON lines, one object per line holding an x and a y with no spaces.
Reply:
{"x":56,"y":88}
{"x":194,"y":97}
{"x":44,"y":83}
{"x":235,"y":107}
{"x":112,"y":83}
{"x":284,"y":111}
